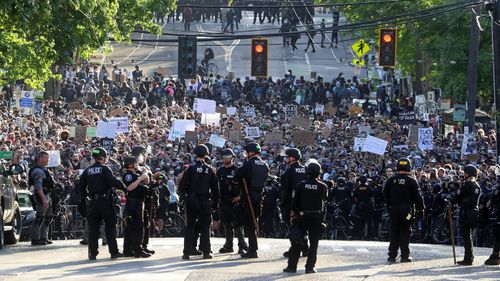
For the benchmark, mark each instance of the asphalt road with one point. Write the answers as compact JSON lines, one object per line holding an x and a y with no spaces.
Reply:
{"x":235,"y":55}
{"x":337,"y":260}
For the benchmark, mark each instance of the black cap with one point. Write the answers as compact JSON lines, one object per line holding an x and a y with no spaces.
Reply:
{"x":200,"y":150}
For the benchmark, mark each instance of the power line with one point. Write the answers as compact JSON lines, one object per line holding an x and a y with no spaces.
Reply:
{"x":280,"y":5}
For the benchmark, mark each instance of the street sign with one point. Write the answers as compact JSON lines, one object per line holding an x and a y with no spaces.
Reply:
{"x":360,"y":48}
{"x":358,"y":62}
{"x":7,"y":155}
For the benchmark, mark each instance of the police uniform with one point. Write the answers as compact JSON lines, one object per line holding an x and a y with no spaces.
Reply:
{"x":308,"y":201}
{"x":468,"y":198}
{"x":134,"y":216}
{"x":41,"y":179}
{"x":254,"y":172}
{"x":401,"y":193}
{"x":198,"y":185}
{"x":494,"y":258}
{"x":97,"y":182}
{"x":363,"y":201}
{"x":229,"y":211}
{"x":269,"y":207}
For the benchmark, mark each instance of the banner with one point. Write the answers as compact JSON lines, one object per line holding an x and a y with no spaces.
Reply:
{"x":425,"y":138}
{"x":54,"y":158}
{"x":217,"y":141}
{"x":374,"y":145}
{"x":179,"y":128}
{"x":204,"y":106}
{"x":252,"y":132}
{"x":406,"y":118}
{"x":7,"y":155}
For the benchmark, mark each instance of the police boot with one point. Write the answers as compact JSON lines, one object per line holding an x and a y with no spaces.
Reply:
{"x":286,"y":254}
{"x":311,"y":270}
{"x":225,"y":249}
{"x":408,"y":259}
{"x":391,"y":260}
{"x":249,"y":255}
{"x":196,"y":253}
{"x":142,"y":254}
{"x":148,"y":251}
{"x":128,"y":254}
{"x":207,"y":256}
{"x":93,"y":256}
{"x":38,"y":243}
{"x":290,"y":270}
{"x":47,"y":242}
{"x":117,"y":255}
{"x":185,"y":257}
{"x":242,"y":250}
{"x":466,"y":262}
{"x":492,"y":260}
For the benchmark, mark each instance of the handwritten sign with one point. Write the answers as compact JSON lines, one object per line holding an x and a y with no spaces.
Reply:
{"x":302,"y":138}
{"x":320,"y":109}
{"x":54,"y":158}
{"x":121,"y":124}
{"x":179,"y":128}
{"x":425,"y":138}
{"x":191,"y":136}
{"x":374,"y":145}
{"x":252,"y":132}
{"x":290,"y":110}
{"x":358,"y":144}
{"x":301,"y":122}
{"x":273,"y":137}
{"x":217,"y":141}
{"x":211,"y":119}
{"x":407,"y":118}
{"x":234,"y":135}
{"x":80,"y":134}
{"x":204,"y":106}
{"x":231,"y":111}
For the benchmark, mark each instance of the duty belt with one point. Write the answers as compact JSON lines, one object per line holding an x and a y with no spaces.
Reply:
{"x":97,"y":196}
{"x":317,"y":212}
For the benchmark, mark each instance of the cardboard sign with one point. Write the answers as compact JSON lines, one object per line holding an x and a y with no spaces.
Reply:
{"x":217,"y":141}
{"x":191,"y":136}
{"x":290,"y":110}
{"x":407,"y":118}
{"x":221,"y":109}
{"x":80,"y":134}
{"x":301,"y":122}
{"x":252,"y":132}
{"x":179,"y":128}
{"x":74,"y":105}
{"x":116,"y":112}
{"x":234,"y":135}
{"x":425,"y":138}
{"x":231,"y":111}
{"x":54,"y":158}
{"x":367,"y":130}
{"x":211,"y":119}
{"x":327,"y":131}
{"x":303,"y":138}
{"x":413,"y":137}
{"x":474,"y":158}
{"x":330,"y":109}
{"x":204,"y":106}
{"x":374,"y":145}
{"x":273,"y":137}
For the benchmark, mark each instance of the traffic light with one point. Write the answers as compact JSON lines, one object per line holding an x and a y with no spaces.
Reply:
{"x":259,"y":58}
{"x":388,"y":44}
{"x":187,"y":57}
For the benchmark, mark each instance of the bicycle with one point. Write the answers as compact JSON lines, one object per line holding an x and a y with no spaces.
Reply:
{"x":205,"y":70}
{"x":338,"y":227}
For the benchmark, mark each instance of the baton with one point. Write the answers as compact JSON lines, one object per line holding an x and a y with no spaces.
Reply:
{"x":254,"y":220}
{"x":452,"y":236}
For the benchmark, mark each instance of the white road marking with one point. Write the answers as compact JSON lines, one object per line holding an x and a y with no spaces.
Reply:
{"x":362,"y":250}
{"x":309,"y":68}
{"x":154,"y":49}
{"x":131,"y":53}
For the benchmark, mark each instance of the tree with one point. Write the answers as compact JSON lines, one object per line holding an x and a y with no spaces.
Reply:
{"x":443,"y":40}
{"x":35,"y":35}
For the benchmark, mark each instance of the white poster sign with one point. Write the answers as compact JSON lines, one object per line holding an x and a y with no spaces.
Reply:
{"x":375,"y":145}
{"x":231,"y":111}
{"x":106,"y":129}
{"x":204,"y":106}
{"x":217,"y":141}
{"x":252,"y":132}
{"x":121,"y":124}
{"x":54,"y":158}
{"x":211,"y":119}
{"x":179,"y":128}
{"x":320,"y":108}
{"x":358,"y":144}
{"x":425,"y":138}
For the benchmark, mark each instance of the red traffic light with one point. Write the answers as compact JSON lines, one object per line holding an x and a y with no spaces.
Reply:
{"x":387,"y":38}
{"x":259,"y":48}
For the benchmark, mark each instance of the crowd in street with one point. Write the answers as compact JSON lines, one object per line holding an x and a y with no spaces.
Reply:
{"x":88,"y":95}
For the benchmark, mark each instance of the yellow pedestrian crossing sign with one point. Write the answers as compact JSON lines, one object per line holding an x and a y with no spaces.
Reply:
{"x":358,"y":62}
{"x":360,"y":48}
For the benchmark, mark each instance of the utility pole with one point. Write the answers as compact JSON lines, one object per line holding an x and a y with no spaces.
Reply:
{"x":472,"y":70}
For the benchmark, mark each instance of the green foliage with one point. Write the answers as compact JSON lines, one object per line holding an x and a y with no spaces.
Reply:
{"x":36,"y":34}
{"x":443,"y":39}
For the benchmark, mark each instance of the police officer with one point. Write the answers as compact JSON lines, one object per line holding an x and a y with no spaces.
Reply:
{"x":151,"y":200}
{"x":97,"y":182}
{"x":308,"y":200}
{"x":342,"y":195}
{"x":269,"y":208}
{"x":229,"y":204}
{"x":43,"y":184}
{"x":364,"y":203}
{"x":468,"y":198}
{"x":134,"y":208}
{"x":294,"y":174}
{"x":494,"y":202}
{"x":199,"y":184}
{"x":401,"y":193}
{"x":253,"y":174}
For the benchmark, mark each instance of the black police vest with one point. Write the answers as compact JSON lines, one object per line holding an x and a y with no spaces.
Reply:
{"x":48,"y":182}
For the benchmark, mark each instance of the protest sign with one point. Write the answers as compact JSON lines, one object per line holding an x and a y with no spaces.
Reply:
{"x":54,"y":158}
{"x":406,"y":118}
{"x":211,"y":119}
{"x":425,"y":138}
{"x":231,"y":111}
{"x":358,"y":144}
{"x":273,"y":137}
{"x":413,"y":134}
{"x":367,"y":130}
{"x":290,"y":110}
{"x":320,"y":109}
{"x":204,"y":106}
{"x":448,"y":129}
{"x":374,"y":145}
{"x":221,"y":109}
{"x":327,"y":131}
{"x":303,"y":138}
{"x":80,"y":134}
{"x":234,"y":135}
{"x":106,"y":129}
{"x":330,"y":109}
{"x":179,"y":128}
{"x":250,"y":112}
{"x":107,"y":144}
{"x":116,"y":112}
{"x":26,"y":100}
{"x":252,"y":132}
{"x":329,"y":123}
{"x":121,"y":124}
{"x":301,"y":122}
{"x":217,"y":141}
{"x":91,"y":132}
{"x":191,"y":136}
{"x":7,"y":155}
{"x":459,"y":113}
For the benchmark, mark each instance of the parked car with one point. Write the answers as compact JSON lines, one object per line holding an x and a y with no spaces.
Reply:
{"x":10,"y":212}
{"x":28,"y":214}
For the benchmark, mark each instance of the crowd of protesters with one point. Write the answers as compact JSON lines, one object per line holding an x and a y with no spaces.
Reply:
{"x":153,"y":102}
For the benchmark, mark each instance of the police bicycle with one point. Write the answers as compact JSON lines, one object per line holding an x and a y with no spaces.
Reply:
{"x":338,"y":227}
{"x":205,"y":69}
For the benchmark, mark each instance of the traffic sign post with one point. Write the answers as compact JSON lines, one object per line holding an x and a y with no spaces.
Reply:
{"x":360,"y":48}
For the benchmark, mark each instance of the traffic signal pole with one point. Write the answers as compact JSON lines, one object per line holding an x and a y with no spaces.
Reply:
{"x":472,"y":69}
{"x":495,"y":30}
